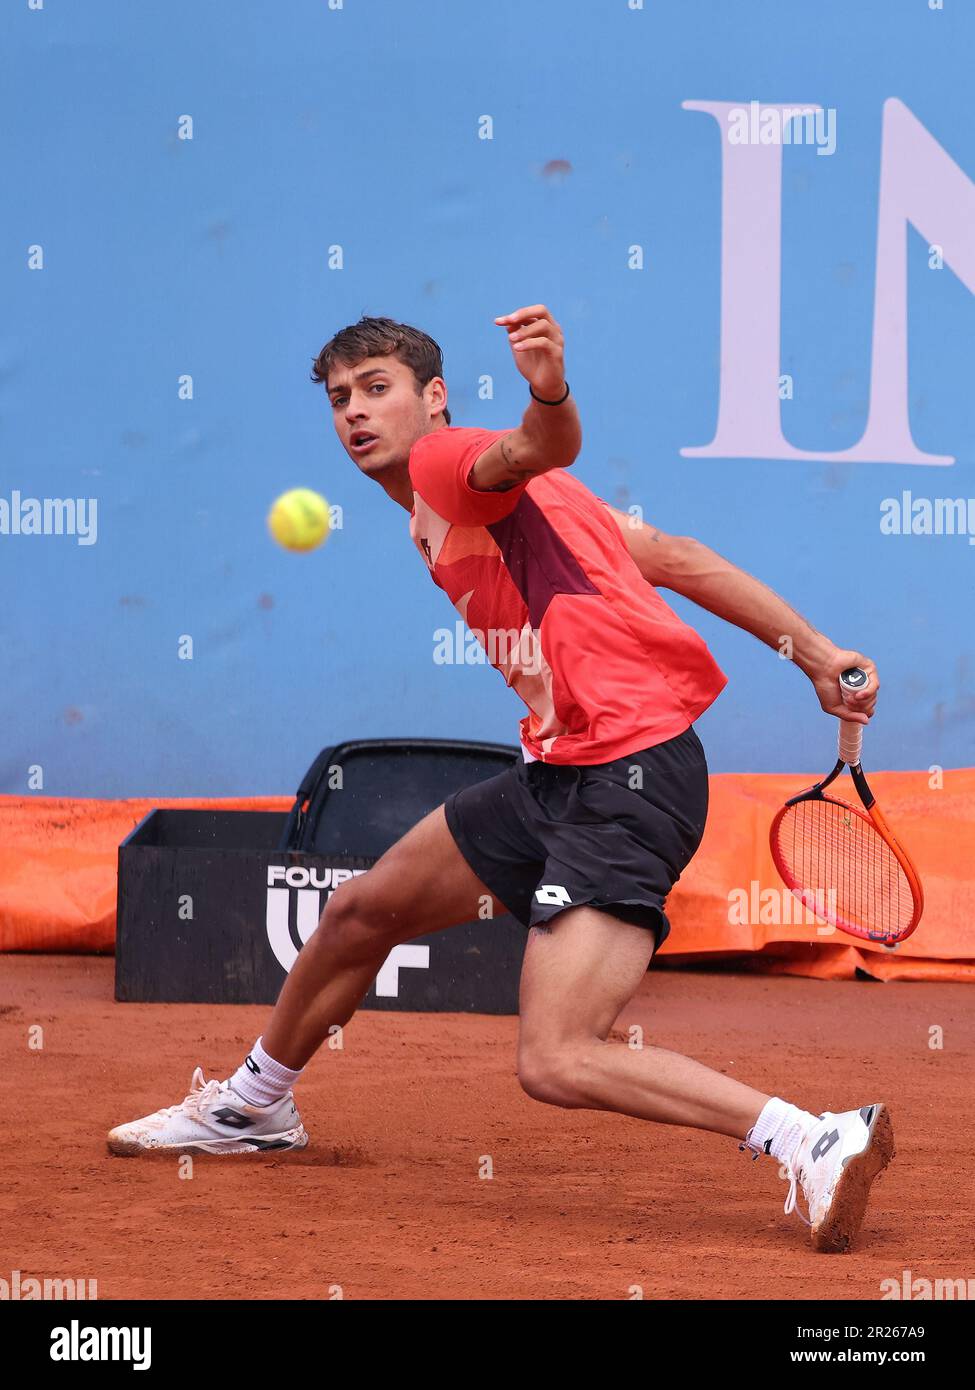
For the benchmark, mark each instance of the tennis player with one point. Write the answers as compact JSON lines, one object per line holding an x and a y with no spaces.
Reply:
{"x":584,"y":838}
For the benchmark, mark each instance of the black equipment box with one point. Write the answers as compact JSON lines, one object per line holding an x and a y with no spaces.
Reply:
{"x":213,"y":906}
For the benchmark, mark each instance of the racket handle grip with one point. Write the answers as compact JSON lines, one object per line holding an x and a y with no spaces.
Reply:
{"x":850,"y":741}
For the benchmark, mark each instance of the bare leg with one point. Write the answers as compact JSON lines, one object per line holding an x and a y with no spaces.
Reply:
{"x":577,"y":976}
{"x":421,"y":884}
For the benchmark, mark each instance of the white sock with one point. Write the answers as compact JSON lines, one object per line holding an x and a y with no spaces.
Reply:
{"x":778,"y":1129}
{"x":260,"y":1080}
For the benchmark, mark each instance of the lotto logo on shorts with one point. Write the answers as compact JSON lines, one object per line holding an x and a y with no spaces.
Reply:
{"x":553,"y":894}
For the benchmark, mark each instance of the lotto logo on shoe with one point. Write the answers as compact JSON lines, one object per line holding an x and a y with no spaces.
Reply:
{"x":233,"y":1118}
{"x":825,"y":1142}
{"x":293,"y":911}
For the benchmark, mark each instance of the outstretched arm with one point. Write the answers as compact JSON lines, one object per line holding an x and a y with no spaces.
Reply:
{"x":688,"y":567}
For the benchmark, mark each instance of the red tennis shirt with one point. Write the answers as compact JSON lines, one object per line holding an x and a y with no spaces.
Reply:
{"x":542,"y":578}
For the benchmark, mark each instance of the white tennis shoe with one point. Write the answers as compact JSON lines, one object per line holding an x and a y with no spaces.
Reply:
{"x":835,"y":1162}
{"x":212,"y":1119}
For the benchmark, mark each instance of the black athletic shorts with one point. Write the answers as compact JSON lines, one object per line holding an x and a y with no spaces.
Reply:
{"x":616,"y":836}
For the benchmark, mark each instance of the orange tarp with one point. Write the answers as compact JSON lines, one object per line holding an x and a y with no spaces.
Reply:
{"x":58,"y":863}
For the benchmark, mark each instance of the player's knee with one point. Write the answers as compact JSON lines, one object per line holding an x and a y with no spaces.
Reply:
{"x":361,"y":918}
{"x":550,"y":1076}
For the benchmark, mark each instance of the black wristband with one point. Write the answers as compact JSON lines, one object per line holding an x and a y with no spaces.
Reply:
{"x":541,"y":402}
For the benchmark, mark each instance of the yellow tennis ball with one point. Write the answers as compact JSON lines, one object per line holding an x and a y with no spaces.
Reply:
{"x":298,"y":520}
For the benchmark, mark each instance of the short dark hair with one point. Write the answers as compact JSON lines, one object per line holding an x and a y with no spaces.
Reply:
{"x":372,"y":337}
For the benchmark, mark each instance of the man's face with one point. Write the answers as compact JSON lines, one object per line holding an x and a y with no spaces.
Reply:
{"x":377,"y":397}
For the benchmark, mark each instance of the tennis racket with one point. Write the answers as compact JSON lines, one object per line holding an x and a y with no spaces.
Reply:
{"x":845,"y":863}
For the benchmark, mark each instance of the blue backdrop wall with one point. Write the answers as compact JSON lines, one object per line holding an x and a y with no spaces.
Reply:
{"x":466,"y":158}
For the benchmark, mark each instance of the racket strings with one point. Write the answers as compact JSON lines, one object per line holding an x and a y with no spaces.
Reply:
{"x":844,"y":869}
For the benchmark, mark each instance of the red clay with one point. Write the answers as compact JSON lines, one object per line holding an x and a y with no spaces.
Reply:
{"x":386,"y":1201}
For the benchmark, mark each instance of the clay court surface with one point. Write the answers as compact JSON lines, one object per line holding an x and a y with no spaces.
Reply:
{"x":386,"y":1201}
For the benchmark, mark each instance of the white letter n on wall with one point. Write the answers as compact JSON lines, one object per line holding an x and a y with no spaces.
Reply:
{"x":920,"y":184}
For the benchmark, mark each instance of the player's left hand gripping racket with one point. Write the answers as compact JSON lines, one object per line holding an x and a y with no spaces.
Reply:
{"x":847,"y":867}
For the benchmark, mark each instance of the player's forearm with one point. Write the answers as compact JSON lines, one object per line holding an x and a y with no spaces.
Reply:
{"x":714,"y":583}
{"x":554,"y":432}
{"x":550,"y":435}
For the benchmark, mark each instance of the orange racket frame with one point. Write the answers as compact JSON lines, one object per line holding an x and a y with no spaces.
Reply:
{"x":850,"y":743}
